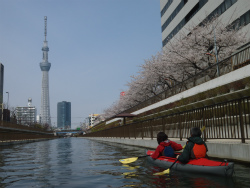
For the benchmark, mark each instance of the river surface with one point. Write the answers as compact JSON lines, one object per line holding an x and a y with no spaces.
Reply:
{"x":79,"y":162}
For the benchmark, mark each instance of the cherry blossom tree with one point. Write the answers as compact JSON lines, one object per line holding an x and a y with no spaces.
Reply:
{"x":182,"y":58}
{"x":189,"y":51}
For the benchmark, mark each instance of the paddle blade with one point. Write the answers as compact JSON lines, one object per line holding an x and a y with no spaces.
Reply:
{"x":129,"y":174}
{"x":203,"y":128}
{"x":128,"y":160}
{"x":162,"y":173}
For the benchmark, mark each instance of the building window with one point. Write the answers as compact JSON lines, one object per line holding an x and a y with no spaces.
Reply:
{"x":192,"y":13}
{"x":248,"y":17}
{"x":228,"y":3}
{"x":242,"y":21}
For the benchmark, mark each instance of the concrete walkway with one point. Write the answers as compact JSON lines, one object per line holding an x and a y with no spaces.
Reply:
{"x":222,"y":148}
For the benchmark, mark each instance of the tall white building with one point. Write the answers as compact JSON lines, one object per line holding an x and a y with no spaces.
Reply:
{"x":45,"y":67}
{"x":26,"y":115}
{"x":92,"y":118}
{"x":178,"y":14}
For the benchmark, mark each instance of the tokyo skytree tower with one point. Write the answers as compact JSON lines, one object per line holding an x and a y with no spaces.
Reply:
{"x":45,"y":66}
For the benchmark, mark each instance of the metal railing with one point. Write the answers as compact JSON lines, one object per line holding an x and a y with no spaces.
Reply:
{"x":227,"y":120}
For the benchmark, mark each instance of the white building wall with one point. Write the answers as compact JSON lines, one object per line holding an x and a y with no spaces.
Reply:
{"x":209,"y":7}
{"x":162,"y":3}
{"x":170,"y":10}
{"x":230,"y":15}
{"x":26,"y":115}
{"x":183,"y":12}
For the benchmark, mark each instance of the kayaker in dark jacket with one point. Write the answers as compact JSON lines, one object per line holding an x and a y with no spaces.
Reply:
{"x":166,"y":147}
{"x":195,"y":147}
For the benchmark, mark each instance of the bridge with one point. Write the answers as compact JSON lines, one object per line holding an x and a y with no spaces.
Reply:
{"x":67,"y":132}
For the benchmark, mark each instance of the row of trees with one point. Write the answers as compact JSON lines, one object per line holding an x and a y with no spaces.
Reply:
{"x":183,"y":57}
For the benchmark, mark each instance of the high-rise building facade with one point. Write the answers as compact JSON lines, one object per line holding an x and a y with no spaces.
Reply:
{"x":178,"y":14}
{"x":26,"y":115}
{"x":64,"y":115}
{"x":45,"y":67}
{"x":1,"y":88}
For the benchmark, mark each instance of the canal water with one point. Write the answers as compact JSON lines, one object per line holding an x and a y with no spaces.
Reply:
{"x":79,"y":162}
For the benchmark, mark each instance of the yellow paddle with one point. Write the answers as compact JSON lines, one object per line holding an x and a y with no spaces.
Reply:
{"x":203,"y":128}
{"x":130,"y":160}
{"x":168,"y":170}
{"x":165,"y":171}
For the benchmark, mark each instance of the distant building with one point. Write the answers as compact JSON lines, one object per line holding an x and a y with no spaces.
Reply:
{"x":1,"y":89}
{"x":64,"y":115}
{"x":26,"y":115}
{"x":177,"y":15}
{"x":38,"y":119}
{"x":92,"y":118}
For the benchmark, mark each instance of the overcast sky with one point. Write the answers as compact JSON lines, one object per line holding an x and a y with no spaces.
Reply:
{"x":94,"y":48}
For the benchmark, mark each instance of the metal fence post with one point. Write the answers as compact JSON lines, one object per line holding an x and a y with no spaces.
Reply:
{"x":180,"y":128}
{"x":241,"y":122}
{"x":135,"y":130}
{"x":128,"y":131}
{"x":204,"y":122}
{"x":163,"y":124}
{"x":123,"y":127}
{"x":151,"y":129}
{"x":142,"y":133}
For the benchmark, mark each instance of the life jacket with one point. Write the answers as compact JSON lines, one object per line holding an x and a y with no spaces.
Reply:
{"x":168,"y":151}
{"x":198,"y":151}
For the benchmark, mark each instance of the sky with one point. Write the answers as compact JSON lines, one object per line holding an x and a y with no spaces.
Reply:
{"x":94,"y":48}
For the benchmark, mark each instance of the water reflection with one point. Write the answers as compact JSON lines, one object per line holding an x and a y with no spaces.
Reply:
{"x":131,"y":170}
{"x":41,"y":158}
{"x":64,"y":155}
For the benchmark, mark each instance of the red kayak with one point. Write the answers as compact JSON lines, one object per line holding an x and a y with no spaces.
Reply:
{"x":202,"y":165}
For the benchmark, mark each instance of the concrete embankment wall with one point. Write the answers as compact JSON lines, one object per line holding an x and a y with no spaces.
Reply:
{"x":221,"y":148}
{"x":13,"y":142}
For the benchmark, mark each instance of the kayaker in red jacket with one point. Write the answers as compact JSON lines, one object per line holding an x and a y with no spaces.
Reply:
{"x":195,"y":147}
{"x":166,"y":147}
